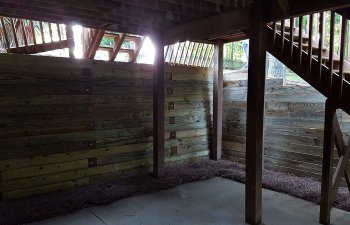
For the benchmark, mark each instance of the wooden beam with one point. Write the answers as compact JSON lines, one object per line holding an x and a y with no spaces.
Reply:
{"x":344,"y":12}
{"x":341,"y":147}
{"x":217,"y":100}
{"x":203,"y":29}
{"x":220,"y":25}
{"x":327,"y":164}
{"x":273,"y":12}
{"x":70,"y":39}
{"x":117,"y":45}
{"x":94,"y":44}
{"x":255,"y":115}
{"x":284,"y":6}
{"x":139,"y":45}
{"x":158,"y":107}
{"x":33,"y":49}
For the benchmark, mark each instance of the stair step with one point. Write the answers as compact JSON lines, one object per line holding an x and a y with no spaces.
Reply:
{"x":313,"y":46}
{"x":286,"y":27}
{"x":296,"y":33}
{"x":326,"y":59}
{"x":346,"y":73}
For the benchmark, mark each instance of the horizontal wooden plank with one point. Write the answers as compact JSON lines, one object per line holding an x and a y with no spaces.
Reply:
{"x":17,"y":184}
{"x":70,"y":156}
{"x":44,"y":169}
{"x":26,"y":192}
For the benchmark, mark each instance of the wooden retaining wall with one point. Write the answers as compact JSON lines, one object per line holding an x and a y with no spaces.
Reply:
{"x":66,"y":123}
{"x":294,"y":126}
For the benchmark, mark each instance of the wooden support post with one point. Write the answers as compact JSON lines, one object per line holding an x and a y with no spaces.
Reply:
{"x":327,"y":166}
{"x":70,"y":39}
{"x":158,"y":108}
{"x":217,"y":100}
{"x":329,"y":81}
{"x":255,"y":115}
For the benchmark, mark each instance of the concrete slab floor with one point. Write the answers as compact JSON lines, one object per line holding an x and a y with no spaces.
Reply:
{"x":216,"y":201}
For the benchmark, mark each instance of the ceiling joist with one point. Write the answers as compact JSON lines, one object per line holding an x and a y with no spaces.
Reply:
{"x":209,"y":27}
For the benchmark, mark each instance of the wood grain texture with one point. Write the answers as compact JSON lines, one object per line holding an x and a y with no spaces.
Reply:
{"x":294,"y":127}
{"x":66,"y":123}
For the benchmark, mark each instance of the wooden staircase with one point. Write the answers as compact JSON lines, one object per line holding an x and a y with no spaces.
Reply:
{"x":323,"y":69}
{"x":92,"y":42}
{"x":328,"y":71}
{"x":22,"y":36}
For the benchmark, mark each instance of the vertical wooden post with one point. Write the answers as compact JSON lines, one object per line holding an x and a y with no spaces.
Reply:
{"x":70,"y":39}
{"x":329,"y":81}
{"x":217,"y":100}
{"x":255,"y":115}
{"x":158,"y":108}
{"x":327,"y":165}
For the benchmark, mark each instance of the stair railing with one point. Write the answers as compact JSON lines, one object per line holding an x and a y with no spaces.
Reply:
{"x":323,"y":37}
{"x":30,"y":37}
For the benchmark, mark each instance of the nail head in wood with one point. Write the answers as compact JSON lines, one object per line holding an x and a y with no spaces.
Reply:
{"x":171,"y":105}
{"x":173,"y":135}
{"x":172,"y":120}
{"x":168,"y":76}
{"x":173,"y":150}
{"x":92,"y":162}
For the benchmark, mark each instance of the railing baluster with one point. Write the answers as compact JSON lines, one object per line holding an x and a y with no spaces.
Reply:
{"x":283,"y":34}
{"x":320,"y":45}
{"x":59,"y":31}
{"x":42,"y":32}
{"x":33,"y":31}
{"x":203,"y":56}
{"x":177,"y":52}
{"x":182,"y":51}
{"x":50,"y":31}
{"x":208,"y":56}
{"x":300,"y":43}
{"x":291,"y":38}
{"x":14,"y":32}
{"x":166,"y":52}
{"x":184,"y":55}
{"x":274,"y":27}
{"x":200,"y":53}
{"x":310,"y":43}
{"x":342,"y":55}
{"x":171,"y":52}
{"x":5,"y":34}
{"x":192,"y":52}
{"x":348,"y":53}
{"x":189,"y":52}
{"x":195,"y":54}
{"x":331,"y":52}
{"x":212,"y":57}
{"x":23,"y":33}
{"x":340,"y":33}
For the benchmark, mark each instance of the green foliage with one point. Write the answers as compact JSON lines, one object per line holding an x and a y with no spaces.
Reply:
{"x":233,"y":51}
{"x":107,"y":42}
